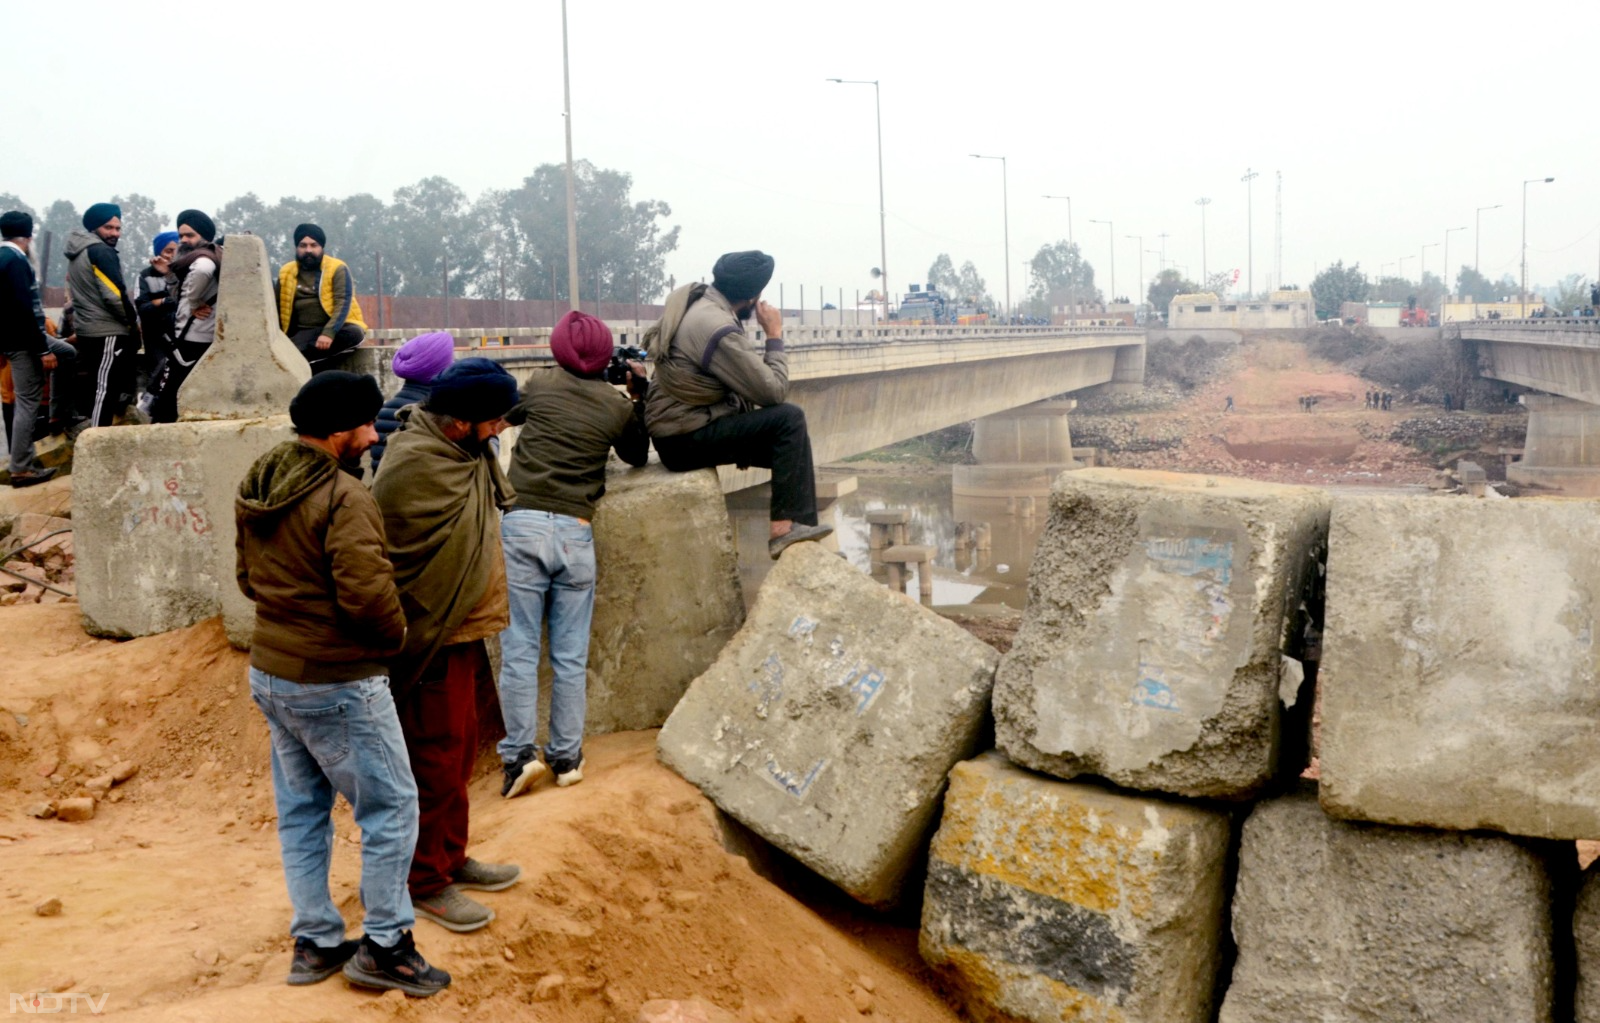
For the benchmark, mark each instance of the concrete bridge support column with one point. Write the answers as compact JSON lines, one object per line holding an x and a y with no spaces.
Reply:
{"x":1563,"y":447}
{"x":1020,"y":452}
{"x":1128,"y":375}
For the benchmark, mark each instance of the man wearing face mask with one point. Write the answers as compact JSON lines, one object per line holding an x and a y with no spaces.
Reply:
{"x":317,"y":305}
{"x":198,"y":268}
{"x":718,"y":400}
{"x":441,"y":491}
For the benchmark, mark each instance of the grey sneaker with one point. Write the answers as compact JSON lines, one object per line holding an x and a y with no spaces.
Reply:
{"x":798,"y":533}
{"x":522,"y":773}
{"x":486,"y":877}
{"x":453,"y":911}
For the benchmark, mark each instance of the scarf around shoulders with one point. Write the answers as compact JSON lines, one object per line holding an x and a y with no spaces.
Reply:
{"x":440,"y":503}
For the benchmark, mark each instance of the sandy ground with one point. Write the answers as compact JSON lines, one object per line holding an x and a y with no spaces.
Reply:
{"x":173,"y":901}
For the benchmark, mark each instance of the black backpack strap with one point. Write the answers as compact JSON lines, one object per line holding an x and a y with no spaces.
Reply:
{"x":711,"y":346}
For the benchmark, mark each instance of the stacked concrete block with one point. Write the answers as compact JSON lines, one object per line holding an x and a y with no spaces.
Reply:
{"x":1355,"y":923}
{"x":1151,"y":650}
{"x":1459,"y":666}
{"x":830,"y":721}
{"x":1050,"y":900}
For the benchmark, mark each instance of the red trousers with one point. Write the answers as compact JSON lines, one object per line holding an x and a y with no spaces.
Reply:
{"x":439,"y":716}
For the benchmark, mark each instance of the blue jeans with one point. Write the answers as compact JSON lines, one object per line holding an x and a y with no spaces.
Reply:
{"x":340,"y":737}
{"x":549,"y":566}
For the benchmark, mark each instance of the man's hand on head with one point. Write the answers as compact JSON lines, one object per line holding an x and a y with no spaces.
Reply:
{"x":770,"y":319}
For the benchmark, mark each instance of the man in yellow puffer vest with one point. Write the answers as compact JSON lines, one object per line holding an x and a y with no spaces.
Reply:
{"x":317,"y":305}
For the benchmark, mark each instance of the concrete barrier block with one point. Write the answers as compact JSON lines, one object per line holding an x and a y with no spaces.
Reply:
{"x":1586,"y":942}
{"x":828,"y":724}
{"x":252,"y":370}
{"x":1458,"y":674}
{"x":1159,"y":608}
{"x":153,"y":523}
{"x":1050,"y":900}
{"x":1350,"y":923}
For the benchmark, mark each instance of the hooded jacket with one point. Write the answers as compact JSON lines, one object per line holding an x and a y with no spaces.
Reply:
{"x":706,"y":366}
{"x":99,"y":291}
{"x":311,"y":554}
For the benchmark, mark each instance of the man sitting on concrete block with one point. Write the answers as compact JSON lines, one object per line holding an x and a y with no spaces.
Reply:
{"x":317,"y":304}
{"x":311,"y":556}
{"x":441,"y":491}
{"x":716,"y":400}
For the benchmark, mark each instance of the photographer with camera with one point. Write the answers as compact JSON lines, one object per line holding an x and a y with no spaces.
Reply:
{"x":571,"y":419}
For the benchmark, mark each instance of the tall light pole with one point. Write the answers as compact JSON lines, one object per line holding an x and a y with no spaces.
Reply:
{"x":1250,"y":229}
{"x":1140,"y":300}
{"x":1205,"y":272}
{"x":1524,"y":292}
{"x":1111,"y":235}
{"x":883,"y":214}
{"x":1072,"y":277}
{"x":1447,"y":292}
{"x":1005,"y":209}
{"x":572,"y":195}
{"x":1477,"y":233}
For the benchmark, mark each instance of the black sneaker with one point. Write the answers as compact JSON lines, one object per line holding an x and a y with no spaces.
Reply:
{"x":522,"y":772}
{"x":568,"y":770}
{"x":32,"y":479}
{"x":400,"y":968}
{"x":313,"y":963}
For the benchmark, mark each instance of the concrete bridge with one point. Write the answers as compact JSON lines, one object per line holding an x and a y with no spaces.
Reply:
{"x":1560,"y":357}
{"x":865,"y":387}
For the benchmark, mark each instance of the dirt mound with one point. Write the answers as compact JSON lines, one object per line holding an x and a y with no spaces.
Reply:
{"x":173,"y":899}
{"x":1291,"y":438}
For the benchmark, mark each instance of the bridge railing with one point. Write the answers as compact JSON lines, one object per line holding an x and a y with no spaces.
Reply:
{"x":1535,"y":323}
{"x":539,"y":337}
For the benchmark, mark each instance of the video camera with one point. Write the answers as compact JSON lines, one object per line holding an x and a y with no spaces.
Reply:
{"x":617,"y":370}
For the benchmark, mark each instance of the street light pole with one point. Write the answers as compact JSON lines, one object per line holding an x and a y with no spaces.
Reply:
{"x":572,"y":195}
{"x":1205,"y":272}
{"x":1005,"y":210}
{"x":1477,"y":233}
{"x":1250,"y":229}
{"x":1111,"y":235}
{"x":883,"y":214}
{"x":1523,"y":295}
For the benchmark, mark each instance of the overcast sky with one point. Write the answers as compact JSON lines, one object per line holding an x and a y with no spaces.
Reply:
{"x":1390,"y":122}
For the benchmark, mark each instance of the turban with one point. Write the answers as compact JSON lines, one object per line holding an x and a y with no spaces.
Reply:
{"x":162,"y":240}
{"x":202,"y":224}
{"x":333,"y":402}
{"x":581,"y":343}
{"x":425,"y":357}
{"x":475,"y":390}
{"x":313,"y":232}
{"x":16,"y":224}
{"x":98,"y":215}
{"x":742,"y":275}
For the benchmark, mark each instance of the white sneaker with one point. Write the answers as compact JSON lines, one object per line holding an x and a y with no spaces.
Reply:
{"x":572,"y":775}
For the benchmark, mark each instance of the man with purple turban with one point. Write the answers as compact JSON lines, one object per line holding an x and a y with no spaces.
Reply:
{"x":571,"y":420}
{"x":416,"y":363}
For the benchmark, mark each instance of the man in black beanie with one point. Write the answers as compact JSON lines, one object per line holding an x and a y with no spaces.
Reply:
{"x":718,"y":400}
{"x":311,"y":554}
{"x":317,"y":304}
{"x":107,"y":323}
{"x":29,"y":350}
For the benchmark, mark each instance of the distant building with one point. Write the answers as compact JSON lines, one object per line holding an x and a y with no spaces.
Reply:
{"x":1467,"y":309}
{"x":1383,"y":314}
{"x":1281,"y":309}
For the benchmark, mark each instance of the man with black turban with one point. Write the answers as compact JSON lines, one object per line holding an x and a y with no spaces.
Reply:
{"x":718,"y":400}
{"x":317,"y":305}
{"x":108,"y":332}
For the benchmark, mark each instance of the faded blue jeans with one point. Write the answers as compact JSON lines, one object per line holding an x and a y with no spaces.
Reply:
{"x":549,"y":567}
{"x":340,"y":737}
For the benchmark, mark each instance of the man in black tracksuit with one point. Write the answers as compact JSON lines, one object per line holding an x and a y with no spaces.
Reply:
{"x":108,"y":331}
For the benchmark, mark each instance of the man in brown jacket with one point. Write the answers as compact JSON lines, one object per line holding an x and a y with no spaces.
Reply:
{"x":716,"y":400}
{"x":311,"y":556}
{"x":441,"y":491}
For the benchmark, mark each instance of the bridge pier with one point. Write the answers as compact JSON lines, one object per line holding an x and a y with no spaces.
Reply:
{"x":1020,"y":452}
{"x":1563,"y":446}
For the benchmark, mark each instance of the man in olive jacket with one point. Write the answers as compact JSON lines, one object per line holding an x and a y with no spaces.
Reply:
{"x":717,"y":400}
{"x":311,"y":555}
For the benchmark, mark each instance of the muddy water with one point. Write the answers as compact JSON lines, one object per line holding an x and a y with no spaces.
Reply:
{"x":998,"y":576}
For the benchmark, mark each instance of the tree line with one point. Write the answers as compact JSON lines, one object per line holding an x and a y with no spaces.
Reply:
{"x":513,"y":239}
